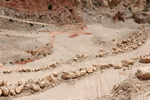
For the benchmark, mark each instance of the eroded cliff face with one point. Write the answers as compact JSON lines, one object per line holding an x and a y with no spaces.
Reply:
{"x":67,"y":11}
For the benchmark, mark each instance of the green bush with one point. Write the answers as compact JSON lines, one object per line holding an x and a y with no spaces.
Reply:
{"x":50,"y":6}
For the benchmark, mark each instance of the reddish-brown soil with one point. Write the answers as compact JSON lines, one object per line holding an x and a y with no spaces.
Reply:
{"x":62,"y":11}
{"x":36,"y":5}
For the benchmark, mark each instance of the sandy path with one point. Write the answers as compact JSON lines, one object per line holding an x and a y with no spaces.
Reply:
{"x":24,"y":21}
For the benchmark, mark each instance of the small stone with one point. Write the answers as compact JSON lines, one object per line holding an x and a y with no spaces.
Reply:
{"x":19,"y":89}
{"x":118,"y":66}
{"x":144,"y":60}
{"x":29,"y":69}
{"x":1,"y":83}
{"x":65,"y":77}
{"x":72,"y":75}
{"x":83,"y":72}
{"x":21,"y":82}
{"x":114,"y":49}
{"x":35,"y":87}
{"x":5,"y":91}
{"x":124,"y":41}
{"x":55,"y":74}
{"x":113,"y":39}
{"x":143,"y":73}
{"x":68,"y":75}
{"x":12,"y":92}
{"x":52,"y":79}
{"x":42,"y":84}
{"x":101,"y":50}
{"x":4,"y":83}
{"x":77,"y":73}
{"x":96,"y":56}
{"x":5,"y":72}
{"x":131,"y":62}
{"x":125,"y":63}
{"x":9,"y":71}
{"x":89,"y":69}
{"x":105,"y":66}
{"x":139,"y":44}
{"x":94,"y":68}
{"x":101,"y":54}
{"x":75,"y":59}
{"x":24,"y":70}
{"x":0,"y":92}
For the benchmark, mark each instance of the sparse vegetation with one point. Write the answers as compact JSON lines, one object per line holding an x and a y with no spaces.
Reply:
{"x":22,"y":59}
{"x":10,"y":20}
{"x":148,"y":1}
{"x":50,"y":6}
{"x":66,"y":7}
{"x":130,"y":9}
{"x":31,"y":24}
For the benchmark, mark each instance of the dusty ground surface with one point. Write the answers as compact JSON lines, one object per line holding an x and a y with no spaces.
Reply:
{"x":31,"y":50}
{"x":66,"y":45}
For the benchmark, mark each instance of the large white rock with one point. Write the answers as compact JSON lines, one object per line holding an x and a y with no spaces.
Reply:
{"x":143,"y":73}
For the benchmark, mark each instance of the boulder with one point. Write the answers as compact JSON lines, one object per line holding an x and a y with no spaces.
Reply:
{"x":143,"y":73}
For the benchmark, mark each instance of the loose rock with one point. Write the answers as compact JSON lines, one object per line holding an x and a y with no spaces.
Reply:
{"x":89,"y":69}
{"x":19,"y":89}
{"x":35,"y":87}
{"x":144,"y":60}
{"x":143,"y":73}
{"x":5,"y":91}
